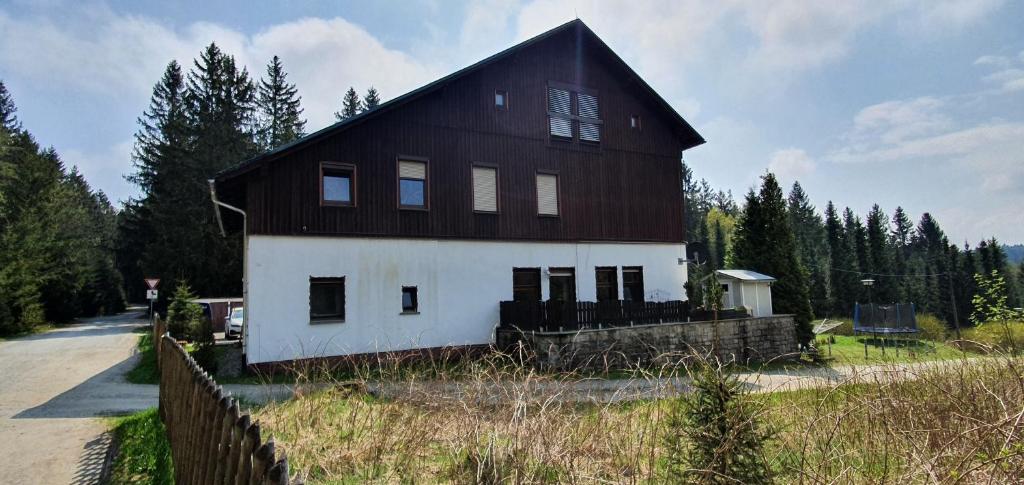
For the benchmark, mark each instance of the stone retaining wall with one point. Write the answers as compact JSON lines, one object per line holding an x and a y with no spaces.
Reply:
{"x":742,"y":341}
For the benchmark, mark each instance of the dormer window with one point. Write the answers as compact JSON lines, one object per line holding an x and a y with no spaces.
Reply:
{"x":573,"y":114}
{"x":501,"y":99}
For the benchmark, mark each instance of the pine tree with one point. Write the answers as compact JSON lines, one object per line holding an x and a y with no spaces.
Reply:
{"x":880,"y":256}
{"x":350,"y":105}
{"x":8,"y":120}
{"x":371,"y":100}
{"x":900,"y":237}
{"x":845,"y":279}
{"x":764,"y":242}
{"x":720,"y":245}
{"x":279,"y":108}
{"x":714,"y":435}
{"x":812,"y":247}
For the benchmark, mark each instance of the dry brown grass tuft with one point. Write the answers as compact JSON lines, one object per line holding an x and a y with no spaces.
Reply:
{"x":494,"y":420}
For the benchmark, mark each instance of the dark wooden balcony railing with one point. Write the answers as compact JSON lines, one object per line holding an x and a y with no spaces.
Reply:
{"x":554,"y":315}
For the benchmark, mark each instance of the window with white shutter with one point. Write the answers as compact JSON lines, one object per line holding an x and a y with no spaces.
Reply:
{"x":590,"y":124}
{"x":547,"y":194}
{"x":412,"y":184}
{"x":573,"y":114}
{"x":485,"y":189}
{"x":560,"y":113}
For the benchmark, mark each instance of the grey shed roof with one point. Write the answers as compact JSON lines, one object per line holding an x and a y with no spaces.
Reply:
{"x":744,"y":275}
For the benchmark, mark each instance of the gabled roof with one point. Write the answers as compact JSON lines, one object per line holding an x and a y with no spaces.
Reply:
{"x":690,"y":136}
{"x":744,"y":275}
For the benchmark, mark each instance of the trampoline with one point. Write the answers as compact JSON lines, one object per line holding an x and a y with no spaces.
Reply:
{"x":895,"y":322}
{"x":892,"y":319}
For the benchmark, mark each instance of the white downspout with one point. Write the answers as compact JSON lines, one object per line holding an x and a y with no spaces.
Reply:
{"x":217,"y":204}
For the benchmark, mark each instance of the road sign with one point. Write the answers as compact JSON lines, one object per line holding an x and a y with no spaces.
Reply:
{"x":152,"y":283}
{"x":151,"y":294}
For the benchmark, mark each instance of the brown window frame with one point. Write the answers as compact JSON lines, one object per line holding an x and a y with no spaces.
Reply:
{"x":574,"y":112}
{"x":326,"y":167}
{"x":615,"y":282}
{"x":634,"y":269}
{"x":344,"y":299}
{"x":497,"y":188}
{"x":426,"y":183}
{"x":558,"y":193}
{"x":539,"y":286}
{"x":415,"y":310}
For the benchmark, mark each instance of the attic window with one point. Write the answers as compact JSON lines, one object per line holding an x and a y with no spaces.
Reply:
{"x":337,"y":184}
{"x":634,"y":122}
{"x":501,"y":99}
{"x":573,"y":113}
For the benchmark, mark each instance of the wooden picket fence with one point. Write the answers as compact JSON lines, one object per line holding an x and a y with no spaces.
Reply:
{"x":212,"y":441}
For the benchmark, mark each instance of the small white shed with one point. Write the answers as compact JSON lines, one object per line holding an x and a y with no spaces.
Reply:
{"x":745,"y":288}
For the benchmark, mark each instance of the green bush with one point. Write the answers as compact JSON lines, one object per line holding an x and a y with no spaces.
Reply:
{"x":183,"y":316}
{"x":932,"y":328}
{"x":994,"y":336}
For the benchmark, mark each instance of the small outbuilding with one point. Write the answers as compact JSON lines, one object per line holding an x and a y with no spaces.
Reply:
{"x":748,"y":289}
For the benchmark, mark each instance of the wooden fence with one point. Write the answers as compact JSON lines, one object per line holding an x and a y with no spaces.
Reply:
{"x":212,"y":442}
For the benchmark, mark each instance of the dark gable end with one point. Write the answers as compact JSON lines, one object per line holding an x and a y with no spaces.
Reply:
{"x":625,"y":188}
{"x":687,"y":135}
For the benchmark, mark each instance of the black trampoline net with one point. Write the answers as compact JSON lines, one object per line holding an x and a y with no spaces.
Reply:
{"x":884,"y":319}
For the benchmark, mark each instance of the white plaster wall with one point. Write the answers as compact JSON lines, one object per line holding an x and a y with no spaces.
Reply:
{"x":459,"y":286}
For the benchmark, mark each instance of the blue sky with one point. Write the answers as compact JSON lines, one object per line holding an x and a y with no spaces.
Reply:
{"x":918,"y":103}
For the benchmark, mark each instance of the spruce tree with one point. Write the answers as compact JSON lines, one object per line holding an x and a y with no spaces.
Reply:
{"x":880,"y":256}
{"x":720,"y":246}
{"x":371,"y":100}
{"x":8,"y":119}
{"x":900,"y":237}
{"x":812,"y":247}
{"x":845,"y":279}
{"x":350,"y":105}
{"x":279,"y":108}
{"x":764,"y":242}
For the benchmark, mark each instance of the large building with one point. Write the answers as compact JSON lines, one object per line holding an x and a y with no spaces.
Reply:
{"x":550,"y":170}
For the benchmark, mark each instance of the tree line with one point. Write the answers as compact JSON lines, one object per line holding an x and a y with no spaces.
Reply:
{"x":821,"y":259}
{"x":197,"y":124}
{"x":56,"y":235}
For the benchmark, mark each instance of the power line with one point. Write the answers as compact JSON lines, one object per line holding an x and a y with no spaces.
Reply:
{"x":918,"y":275}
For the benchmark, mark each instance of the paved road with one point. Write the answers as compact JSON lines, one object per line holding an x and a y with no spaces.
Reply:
{"x":57,"y":386}
{"x":54,"y":387}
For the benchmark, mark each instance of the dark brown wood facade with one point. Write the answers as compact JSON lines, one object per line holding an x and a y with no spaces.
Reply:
{"x":627,"y":188}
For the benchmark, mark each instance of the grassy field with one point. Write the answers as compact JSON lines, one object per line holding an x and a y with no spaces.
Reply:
{"x":867,"y":433}
{"x":849,"y":350}
{"x":143,"y":454}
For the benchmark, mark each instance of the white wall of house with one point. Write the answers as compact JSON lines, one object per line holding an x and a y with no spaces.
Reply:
{"x":460,"y":284}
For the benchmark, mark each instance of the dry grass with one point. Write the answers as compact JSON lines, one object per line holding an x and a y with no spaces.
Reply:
{"x":494,"y":420}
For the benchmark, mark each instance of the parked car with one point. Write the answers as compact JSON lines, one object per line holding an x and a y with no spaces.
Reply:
{"x":233,"y":324}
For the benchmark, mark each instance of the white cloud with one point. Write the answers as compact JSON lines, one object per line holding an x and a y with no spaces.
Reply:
{"x":118,"y":56}
{"x":944,"y":14}
{"x":791,"y":164}
{"x":894,"y":121}
{"x":991,"y":60}
{"x":105,"y":169}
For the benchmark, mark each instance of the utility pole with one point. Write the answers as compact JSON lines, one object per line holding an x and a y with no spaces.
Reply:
{"x":952,"y":301}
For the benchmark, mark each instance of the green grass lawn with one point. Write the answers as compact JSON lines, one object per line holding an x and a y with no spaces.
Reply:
{"x":849,"y":350}
{"x":145,"y":372}
{"x":34,"y":330}
{"x":143,"y":454}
